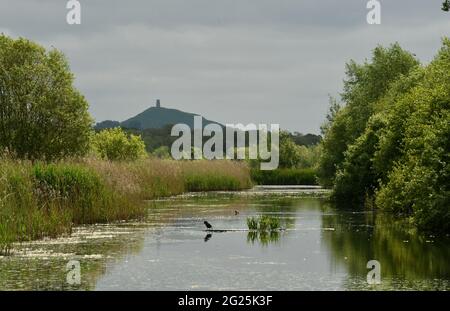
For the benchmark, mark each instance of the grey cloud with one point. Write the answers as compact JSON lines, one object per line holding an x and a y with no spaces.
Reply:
{"x":232,"y":61}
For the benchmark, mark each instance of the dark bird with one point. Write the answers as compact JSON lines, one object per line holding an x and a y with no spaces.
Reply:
{"x":236,"y":213}
{"x":207,"y":224}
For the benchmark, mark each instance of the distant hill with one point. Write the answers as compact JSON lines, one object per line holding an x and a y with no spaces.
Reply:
{"x":155,"y":118}
{"x":154,"y":126}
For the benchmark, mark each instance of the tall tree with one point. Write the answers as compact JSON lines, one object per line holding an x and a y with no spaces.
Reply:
{"x":401,"y":160}
{"x":364,"y":85}
{"x":42,"y":115}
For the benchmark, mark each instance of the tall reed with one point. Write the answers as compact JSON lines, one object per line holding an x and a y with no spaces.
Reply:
{"x":46,"y":199}
{"x":285,"y":176}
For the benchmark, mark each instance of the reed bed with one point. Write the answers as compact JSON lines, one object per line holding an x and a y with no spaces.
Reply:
{"x":40,"y":200}
{"x":217,"y":175}
{"x":285,"y":176}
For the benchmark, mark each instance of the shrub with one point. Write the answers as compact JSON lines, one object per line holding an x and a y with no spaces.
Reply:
{"x":115,"y":145}
{"x":162,"y":152}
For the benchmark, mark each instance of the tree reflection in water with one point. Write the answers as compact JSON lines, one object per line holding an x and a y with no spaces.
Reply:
{"x":404,"y":254}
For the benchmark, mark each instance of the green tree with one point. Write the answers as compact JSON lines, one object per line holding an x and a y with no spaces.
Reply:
{"x":308,"y":156}
{"x":115,"y":145}
{"x":401,"y":159}
{"x":366,"y":163}
{"x":295,"y":156}
{"x":289,"y":151}
{"x":333,"y":144}
{"x":364,"y":86}
{"x":42,"y":115}
{"x":356,"y":178}
{"x":418,"y":184}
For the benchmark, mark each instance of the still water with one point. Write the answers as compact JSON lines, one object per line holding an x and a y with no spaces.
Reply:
{"x":321,"y":249}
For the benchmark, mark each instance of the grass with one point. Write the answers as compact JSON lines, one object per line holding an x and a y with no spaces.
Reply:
{"x":40,"y":200}
{"x":285,"y":176}
{"x":20,"y":217}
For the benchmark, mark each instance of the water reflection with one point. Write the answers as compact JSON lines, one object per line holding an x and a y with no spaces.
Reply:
{"x":263,"y":237}
{"x":207,"y":237}
{"x":407,"y":258}
{"x":321,"y":249}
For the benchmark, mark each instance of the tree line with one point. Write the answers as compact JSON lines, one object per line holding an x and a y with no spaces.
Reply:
{"x":387,"y":141}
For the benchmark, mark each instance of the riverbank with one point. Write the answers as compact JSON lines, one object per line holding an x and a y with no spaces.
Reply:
{"x":40,"y":200}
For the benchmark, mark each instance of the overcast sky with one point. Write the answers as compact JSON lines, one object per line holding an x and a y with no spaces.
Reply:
{"x":271,"y":61}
